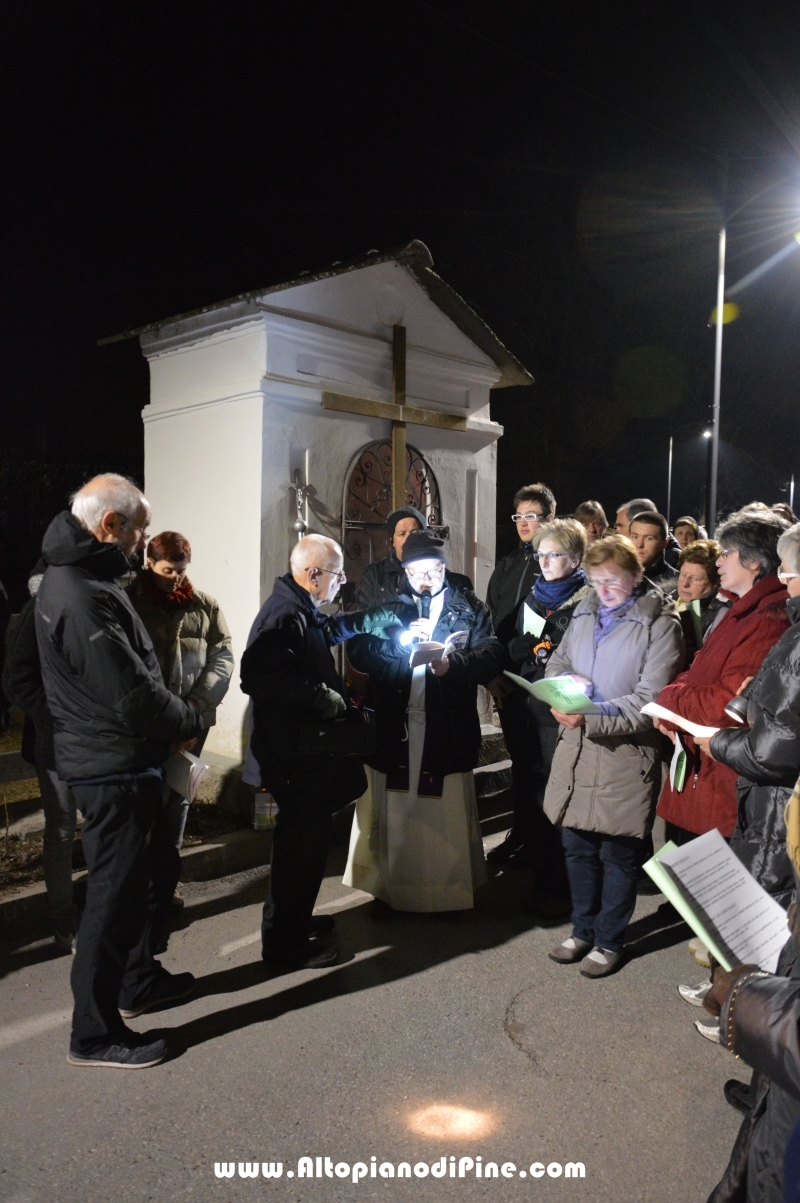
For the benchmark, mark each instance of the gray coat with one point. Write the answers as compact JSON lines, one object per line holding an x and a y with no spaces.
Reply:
{"x":606,"y":775}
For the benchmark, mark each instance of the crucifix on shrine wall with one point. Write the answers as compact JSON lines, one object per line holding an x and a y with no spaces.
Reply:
{"x":398,"y":413}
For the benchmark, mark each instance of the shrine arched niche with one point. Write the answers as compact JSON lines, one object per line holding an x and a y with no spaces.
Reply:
{"x":368,"y":503}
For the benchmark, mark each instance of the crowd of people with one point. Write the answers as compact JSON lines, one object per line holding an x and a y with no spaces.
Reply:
{"x":118,"y":663}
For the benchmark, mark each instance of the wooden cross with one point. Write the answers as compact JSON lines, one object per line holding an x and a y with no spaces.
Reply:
{"x":398,"y":413}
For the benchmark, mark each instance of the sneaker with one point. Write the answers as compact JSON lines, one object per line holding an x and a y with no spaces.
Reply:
{"x":738,"y":1095}
{"x":122,"y":1056}
{"x":313,"y":956}
{"x":168,"y":988}
{"x":709,"y":1030}
{"x":320,"y":925}
{"x":694,"y":995}
{"x":569,"y":951}
{"x":699,"y":951}
{"x":65,"y":939}
{"x":600,"y":962}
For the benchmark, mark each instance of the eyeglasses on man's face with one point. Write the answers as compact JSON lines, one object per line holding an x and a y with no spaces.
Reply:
{"x":530,"y":516}
{"x":337,"y":572}
{"x":431,"y":574}
{"x":726,"y":551}
{"x":544,"y":556}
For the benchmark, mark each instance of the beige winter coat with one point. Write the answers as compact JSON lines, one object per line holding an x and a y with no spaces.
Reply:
{"x":192,"y":646}
{"x":606,"y":775}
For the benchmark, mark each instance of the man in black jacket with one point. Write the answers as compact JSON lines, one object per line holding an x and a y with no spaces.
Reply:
{"x":384,"y":581}
{"x":649,"y":534}
{"x":23,"y":686}
{"x":510,"y":583}
{"x":115,"y":722}
{"x":289,"y":673}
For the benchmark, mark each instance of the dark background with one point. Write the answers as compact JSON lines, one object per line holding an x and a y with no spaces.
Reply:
{"x":563,"y":162}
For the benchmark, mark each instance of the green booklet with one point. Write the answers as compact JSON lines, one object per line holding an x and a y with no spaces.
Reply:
{"x":562,"y":693}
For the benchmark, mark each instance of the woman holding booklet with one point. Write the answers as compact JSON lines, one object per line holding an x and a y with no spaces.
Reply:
{"x":625,"y":643}
{"x":416,"y":843}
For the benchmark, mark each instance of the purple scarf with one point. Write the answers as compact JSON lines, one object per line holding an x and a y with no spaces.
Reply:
{"x":607,"y":618}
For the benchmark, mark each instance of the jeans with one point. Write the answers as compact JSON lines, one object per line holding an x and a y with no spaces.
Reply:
{"x":59,"y":835}
{"x":124,"y":842}
{"x":603,"y":871}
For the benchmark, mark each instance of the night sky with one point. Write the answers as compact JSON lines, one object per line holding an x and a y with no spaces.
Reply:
{"x":563,"y":162}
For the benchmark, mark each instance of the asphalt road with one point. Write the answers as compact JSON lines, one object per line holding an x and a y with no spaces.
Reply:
{"x":541,"y":1066}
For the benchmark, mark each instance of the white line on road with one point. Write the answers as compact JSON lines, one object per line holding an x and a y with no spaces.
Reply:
{"x":26,"y":1029}
{"x":354,"y":898}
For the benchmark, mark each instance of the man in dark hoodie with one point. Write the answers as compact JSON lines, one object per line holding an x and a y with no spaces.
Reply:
{"x":115,"y":723}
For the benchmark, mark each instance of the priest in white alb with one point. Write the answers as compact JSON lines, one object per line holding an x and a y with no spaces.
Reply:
{"x":416,"y":843}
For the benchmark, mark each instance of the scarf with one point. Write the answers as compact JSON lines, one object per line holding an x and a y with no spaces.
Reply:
{"x":608,"y":617}
{"x":552,"y":594}
{"x":180,"y":599}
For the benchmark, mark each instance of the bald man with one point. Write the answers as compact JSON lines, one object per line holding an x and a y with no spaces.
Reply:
{"x":114,"y":724}
{"x":296,"y":693}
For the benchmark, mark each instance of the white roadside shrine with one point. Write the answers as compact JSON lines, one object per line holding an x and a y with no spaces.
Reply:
{"x":275,"y":411}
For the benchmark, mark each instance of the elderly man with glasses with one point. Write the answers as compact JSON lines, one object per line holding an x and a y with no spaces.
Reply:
{"x":297,"y":695}
{"x":416,"y":843}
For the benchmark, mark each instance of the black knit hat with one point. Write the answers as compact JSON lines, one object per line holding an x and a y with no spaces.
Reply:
{"x":406,"y":511}
{"x":423,"y":545}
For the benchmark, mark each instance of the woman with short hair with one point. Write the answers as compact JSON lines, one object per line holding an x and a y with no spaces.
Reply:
{"x":592,"y":518}
{"x":700,"y":603}
{"x":542,"y":622}
{"x":624,"y":644}
{"x":192,"y":645}
{"x":686,"y":531}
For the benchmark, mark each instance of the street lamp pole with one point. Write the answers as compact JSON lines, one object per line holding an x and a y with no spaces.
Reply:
{"x":669,"y":481}
{"x":711,"y":496}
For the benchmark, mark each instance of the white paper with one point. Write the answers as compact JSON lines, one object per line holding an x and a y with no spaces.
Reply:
{"x":183,"y":773}
{"x":427,"y":651}
{"x":740,"y":912}
{"x":655,"y":711}
{"x":532,"y":623}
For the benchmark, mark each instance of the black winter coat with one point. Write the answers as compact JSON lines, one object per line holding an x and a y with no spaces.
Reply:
{"x":5,"y":616}
{"x":385,"y":581}
{"x":766,"y":755}
{"x":111,"y":710}
{"x":288,"y":656}
{"x":23,"y":686}
{"x":555,"y":627}
{"x":511,"y":580}
{"x":453,"y":727}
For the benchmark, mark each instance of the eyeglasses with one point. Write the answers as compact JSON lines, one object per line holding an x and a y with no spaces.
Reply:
{"x":723,"y":555}
{"x":610,"y":584}
{"x":544,"y":556}
{"x":532,"y":516}
{"x":126,"y":521}
{"x":785,"y":577}
{"x":337,"y":572}
{"x":430,"y":575}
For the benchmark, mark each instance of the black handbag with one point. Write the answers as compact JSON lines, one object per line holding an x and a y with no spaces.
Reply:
{"x":352,"y":735}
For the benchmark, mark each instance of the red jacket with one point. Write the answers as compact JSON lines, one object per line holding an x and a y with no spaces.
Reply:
{"x":734,"y":650}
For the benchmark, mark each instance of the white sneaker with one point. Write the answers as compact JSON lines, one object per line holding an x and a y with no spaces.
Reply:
{"x":694,"y":995}
{"x":709,"y":1030}
{"x":699,"y":951}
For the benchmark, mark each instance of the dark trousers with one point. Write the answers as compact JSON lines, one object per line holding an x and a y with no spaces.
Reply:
{"x":531,"y":746}
{"x":124,"y":844}
{"x":58,"y":803}
{"x":603,"y":871}
{"x":314,"y":789}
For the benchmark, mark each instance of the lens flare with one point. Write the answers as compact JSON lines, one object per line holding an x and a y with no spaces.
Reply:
{"x":730,"y":312}
{"x":443,"y":1121}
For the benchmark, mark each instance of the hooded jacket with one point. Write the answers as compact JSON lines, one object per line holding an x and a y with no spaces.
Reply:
{"x":111,"y":711}
{"x":453,"y":727}
{"x":606,"y":774}
{"x":766,"y":755}
{"x":732,"y":651}
{"x":192,"y":646}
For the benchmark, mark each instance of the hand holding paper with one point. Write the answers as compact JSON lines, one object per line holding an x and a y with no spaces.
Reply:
{"x":563,"y":694}
{"x":655,"y":711}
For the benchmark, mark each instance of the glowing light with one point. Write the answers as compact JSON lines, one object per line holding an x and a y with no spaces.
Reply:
{"x":405,"y":638}
{"x":797,"y":236}
{"x":707,"y":434}
{"x":730,"y":312}
{"x":443,"y":1121}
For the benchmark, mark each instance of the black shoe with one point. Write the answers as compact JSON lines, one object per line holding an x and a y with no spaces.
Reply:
{"x":320,"y":925}
{"x":168,"y":988}
{"x":548,"y":910}
{"x":122,"y":1056}
{"x":738,"y":1095}
{"x":511,"y":846}
{"x":313,"y":956}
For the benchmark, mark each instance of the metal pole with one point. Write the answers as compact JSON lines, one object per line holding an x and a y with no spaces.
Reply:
{"x":398,"y":428}
{"x":711,"y":507}
{"x":669,"y":481}
{"x":791,"y":493}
